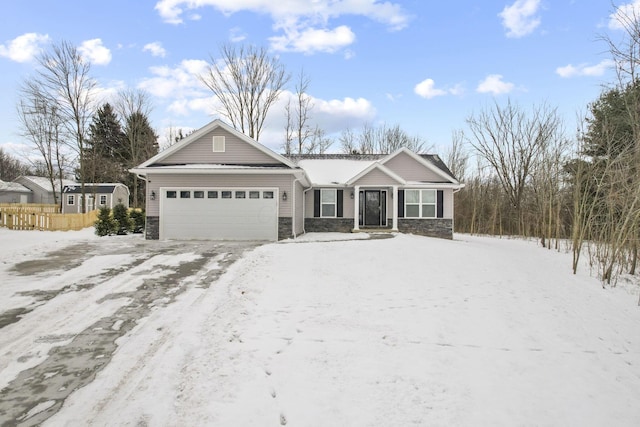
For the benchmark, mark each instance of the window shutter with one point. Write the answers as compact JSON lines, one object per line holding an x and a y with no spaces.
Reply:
{"x":316,"y":203}
{"x":400,"y":203}
{"x":440,"y":203}
{"x":339,"y":203}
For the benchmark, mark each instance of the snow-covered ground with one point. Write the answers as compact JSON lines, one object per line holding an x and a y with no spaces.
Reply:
{"x":369,"y":332}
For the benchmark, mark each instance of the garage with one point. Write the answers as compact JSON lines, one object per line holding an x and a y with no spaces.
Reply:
{"x":219,"y":213}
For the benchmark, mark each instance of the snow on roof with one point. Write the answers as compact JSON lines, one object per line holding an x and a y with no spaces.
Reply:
{"x":13,"y":186}
{"x":333,"y":171}
{"x":44,"y":182}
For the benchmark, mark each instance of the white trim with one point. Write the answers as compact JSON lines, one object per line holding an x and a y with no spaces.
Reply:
{"x":382,"y":169}
{"x":422,"y":161}
{"x":421,"y":204}
{"x":204,"y":130}
{"x":335,"y":202}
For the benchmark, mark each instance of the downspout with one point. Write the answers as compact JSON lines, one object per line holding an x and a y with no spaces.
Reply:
{"x":293,"y":206}
{"x":304,"y":206}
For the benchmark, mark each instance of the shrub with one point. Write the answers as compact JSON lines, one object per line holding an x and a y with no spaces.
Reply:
{"x":121,"y":216}
{"x":138,"y":218}
{"x":105,"y":224}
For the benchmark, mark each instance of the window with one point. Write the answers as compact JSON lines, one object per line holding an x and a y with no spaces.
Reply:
{"x":103,"y":200}
{"x":254,"y":194}
{"x":420,"y":203}
{"x":267,"y":194}
{"x":212,"y":194}
{"x":226,"y":194}
{"x":218,"y":144}
{"x":71,"y":199}
{"x":172,"y":194}
{"x":328,"y":203}
{"x":198,"y":194}
{"x":241,"y":194}
{"x":185,"y":194}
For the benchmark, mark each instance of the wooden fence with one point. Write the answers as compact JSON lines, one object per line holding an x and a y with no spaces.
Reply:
{"x":43,"y":217}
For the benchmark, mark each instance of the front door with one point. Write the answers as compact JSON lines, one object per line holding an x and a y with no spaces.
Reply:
{"x":373,"y":208}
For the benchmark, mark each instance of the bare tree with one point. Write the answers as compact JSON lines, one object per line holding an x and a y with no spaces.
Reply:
{"x":297,"y":127}
{"x":380,"y":140}
{"x":64,"y":80}
{"x":247,"y":82}
{"x":134,"y":107}
{"x":510,"y":141}
{"x":42,"y":126}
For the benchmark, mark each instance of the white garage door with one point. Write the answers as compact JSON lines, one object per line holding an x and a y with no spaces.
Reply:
{"x":219,"y":213}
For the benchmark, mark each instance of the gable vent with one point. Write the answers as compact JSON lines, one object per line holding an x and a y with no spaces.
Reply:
{"x":218,"y":144}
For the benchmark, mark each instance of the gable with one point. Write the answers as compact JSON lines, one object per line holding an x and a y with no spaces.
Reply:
{"x":236,"y":152}
{"x":376,"y":174}
{"x":215,"y":144}
{"x":411,"y":169}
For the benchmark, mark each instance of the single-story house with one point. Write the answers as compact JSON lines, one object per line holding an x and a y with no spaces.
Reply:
{"x":98,"y":196}
{"x":217,"y":183}
{"x":13,"y":192}
{"x":42,"y":192}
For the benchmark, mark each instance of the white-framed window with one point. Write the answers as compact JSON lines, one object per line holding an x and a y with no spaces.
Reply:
{"x":71,"y":199}
{"x":267,"y":194}
{"x":218,"y":144}
{"x":171,"y":194}
{"x":328,"y":199}
{"x":420,"y":203}
{"x":103,"y":200}
{"x":198,"y":194}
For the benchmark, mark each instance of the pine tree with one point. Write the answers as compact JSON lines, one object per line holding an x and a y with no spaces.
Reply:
{"x":105,"y":224}
{"x":142,"y":143}
{"x":121,"y":217}
{"x":105,"y":154}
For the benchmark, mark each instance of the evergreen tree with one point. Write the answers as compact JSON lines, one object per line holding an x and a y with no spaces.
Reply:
{"x":105,"y":224}
{"x":121,"y":217}
{"x":105,"y":154}
{"x":142,"y":143}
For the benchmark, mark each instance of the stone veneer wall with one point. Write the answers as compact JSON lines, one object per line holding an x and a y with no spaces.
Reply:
{"x":442,"y":228}
{"x":152,"y":228}
{"x":326,"y":225}
{"x":285,"y":226}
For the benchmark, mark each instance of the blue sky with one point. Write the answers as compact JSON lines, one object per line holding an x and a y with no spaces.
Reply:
{"x":424,"y":65}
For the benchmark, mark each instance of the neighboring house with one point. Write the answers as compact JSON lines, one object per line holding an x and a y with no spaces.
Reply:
{"x":98,"y":196}
{"x":217,"y":183}
{"x":41,"y":190}
{"x":13,"y":192}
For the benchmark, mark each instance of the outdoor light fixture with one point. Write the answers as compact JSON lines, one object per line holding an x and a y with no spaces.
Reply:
{"x":352,"y":194}
{"x":153,"y":195}
{"x":284,"y":196}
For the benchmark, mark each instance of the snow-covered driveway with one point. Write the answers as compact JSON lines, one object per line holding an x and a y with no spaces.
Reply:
{"x":380,"y":332}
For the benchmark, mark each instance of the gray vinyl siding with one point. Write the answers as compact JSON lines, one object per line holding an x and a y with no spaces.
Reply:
{"x":347,"y":206}
{"x":376,"y":178}
{"x":14,"y":197}
{"x":236,"y":151}
{"x":283,"y":182}
{"x":411,"y":170}
{"x":120,"y":195}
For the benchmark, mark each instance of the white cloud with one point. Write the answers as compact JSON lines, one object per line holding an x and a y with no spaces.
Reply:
{"x":24,"y":48}
{"x":314,"y":40}
{"x":520,"y":18}
{"x":155,"y":48}
{"x":585,"y":70}
{"x":304,"y":19}
{"x":181,"y":81}
{"x":237,"y":35}
{"x":624,"y":15}
{"x":493,"y":84}
{"x":427,"y":89}
{"x":94,"y":51}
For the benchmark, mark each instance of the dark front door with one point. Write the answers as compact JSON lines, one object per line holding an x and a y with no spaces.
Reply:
{"x":372,"y":208}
